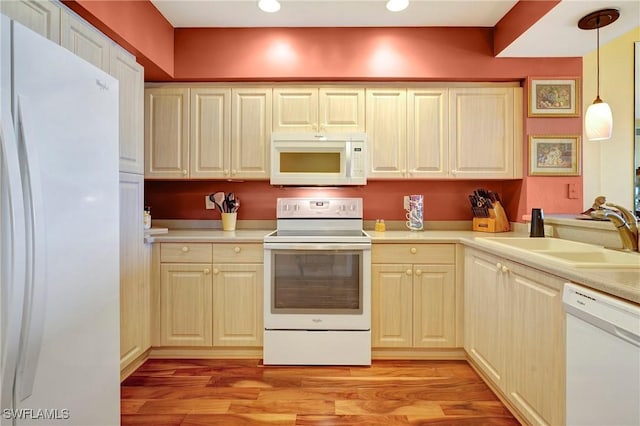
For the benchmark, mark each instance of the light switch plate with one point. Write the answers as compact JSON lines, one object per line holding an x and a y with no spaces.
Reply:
{"x":208,"y":204}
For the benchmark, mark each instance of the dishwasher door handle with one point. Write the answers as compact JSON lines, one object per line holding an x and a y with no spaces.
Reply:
{"x":627,"y":336}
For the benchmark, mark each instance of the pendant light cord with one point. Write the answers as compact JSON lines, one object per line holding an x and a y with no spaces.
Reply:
{"x":598,"y":60}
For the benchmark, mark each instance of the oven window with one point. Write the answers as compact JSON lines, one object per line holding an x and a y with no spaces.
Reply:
{"x":316,"y":281}
{"x":310,"y":162}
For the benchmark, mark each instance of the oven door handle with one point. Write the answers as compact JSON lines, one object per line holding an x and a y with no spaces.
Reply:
{"x":317,"y":246}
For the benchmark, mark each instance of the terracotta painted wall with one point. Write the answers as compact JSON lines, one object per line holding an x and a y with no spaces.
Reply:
{"x":444,"y":200}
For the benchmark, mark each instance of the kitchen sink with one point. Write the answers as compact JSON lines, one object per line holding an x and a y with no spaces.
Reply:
{"x":555,"y":244}
{"x":573,"y":253}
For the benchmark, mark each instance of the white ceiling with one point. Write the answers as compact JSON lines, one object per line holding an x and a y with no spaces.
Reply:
{"x":556,"y":34}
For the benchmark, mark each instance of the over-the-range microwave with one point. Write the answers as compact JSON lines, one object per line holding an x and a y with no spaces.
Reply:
{"x":318,"y":159}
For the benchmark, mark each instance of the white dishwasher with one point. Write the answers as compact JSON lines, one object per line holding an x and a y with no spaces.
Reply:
{"x":603,"y":359}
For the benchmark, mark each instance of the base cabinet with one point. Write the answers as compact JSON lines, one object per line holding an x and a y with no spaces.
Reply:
{"x":413,"y":304}
{"x":514,"y":333}
{"x":210,"y":295}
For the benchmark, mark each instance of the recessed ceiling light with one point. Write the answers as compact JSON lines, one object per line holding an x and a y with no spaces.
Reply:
{"x":269,"y":6}
{"x":397,"y":5}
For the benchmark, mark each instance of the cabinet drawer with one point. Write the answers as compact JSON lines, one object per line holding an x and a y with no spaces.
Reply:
{"x":413,"y":253}
{"x":238,"y":253}
{"x":185,"y":252}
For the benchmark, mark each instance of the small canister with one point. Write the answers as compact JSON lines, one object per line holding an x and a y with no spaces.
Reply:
{"x":147,"y":217}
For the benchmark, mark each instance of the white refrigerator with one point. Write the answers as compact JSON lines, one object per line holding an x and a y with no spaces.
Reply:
{"x":59,"y":294}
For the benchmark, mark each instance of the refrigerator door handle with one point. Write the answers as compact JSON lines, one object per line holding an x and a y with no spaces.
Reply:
{"x":14,"y":263}
{"x":35,"y":291}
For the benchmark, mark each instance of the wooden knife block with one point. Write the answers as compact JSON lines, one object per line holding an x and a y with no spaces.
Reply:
{"x":496,"y":222}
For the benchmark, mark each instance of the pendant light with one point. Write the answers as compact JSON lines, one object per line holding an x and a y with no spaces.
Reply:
{"x":598,"y":121}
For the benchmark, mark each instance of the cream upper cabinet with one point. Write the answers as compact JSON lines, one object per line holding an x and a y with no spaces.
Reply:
{"x":250,"y":132}
{"x":210,"y":132}
{"x":386,"y":111}
{"x":312,"y":109}
{"x":427,"y":133}
{"x":514,"y":333}
{"x":130,"y":75}
{"x":166,"y":132}
{"x":84,"y":41}
{"x":413,"y":304}
{"x":134,"y":293}
{"x":485,"y":132}
{"x":42,"y":17}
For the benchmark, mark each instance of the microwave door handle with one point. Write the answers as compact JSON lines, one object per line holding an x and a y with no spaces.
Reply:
{"x":347,"y":149}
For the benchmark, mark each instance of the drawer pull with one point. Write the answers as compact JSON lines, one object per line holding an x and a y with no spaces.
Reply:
{"x":504,"y":269}
{"x":216,"y":271}
{"x":206,"y":271}
{"x":418,"y":271}
{"x":185,"y":249}
{"x":236,"y":249}
{"x":408,"y":272}
{"x":413,"y":250}
{"x":499,"y":266}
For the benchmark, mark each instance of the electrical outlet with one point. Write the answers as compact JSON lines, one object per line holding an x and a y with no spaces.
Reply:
{"x":406,"y":202}
{"x":573,"y":191}
{"x":208,"y":204}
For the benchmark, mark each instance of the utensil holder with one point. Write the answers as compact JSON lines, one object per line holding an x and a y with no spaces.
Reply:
{"x":229,"y":221}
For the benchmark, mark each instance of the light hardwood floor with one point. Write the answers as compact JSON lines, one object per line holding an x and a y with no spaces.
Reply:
{"x":245,"y":392}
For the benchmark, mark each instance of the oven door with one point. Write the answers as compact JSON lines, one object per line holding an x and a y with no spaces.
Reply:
{"x":310,"y":286}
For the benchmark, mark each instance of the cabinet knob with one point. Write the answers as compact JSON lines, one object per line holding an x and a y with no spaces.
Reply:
{"x":185,"y":249}
{"x":418,"y":271}
{"x":233,"y":172}
{"x":236,"y":249}
{"x":206,"y":271}
{"x":216,"y":271}
{"x":413,"y":250}
{"x":499,"y":266}
{"x":454,"y":172}
{"x":226,"y":172}
{"x":184,"y":172}
{"x":408,"y":272}
{"x":504,"y":269}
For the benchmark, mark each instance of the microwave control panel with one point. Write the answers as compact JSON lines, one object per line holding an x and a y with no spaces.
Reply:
{"x":358,"y":157}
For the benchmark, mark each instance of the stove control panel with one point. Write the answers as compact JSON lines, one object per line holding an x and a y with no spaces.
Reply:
{"x":304,"y":208}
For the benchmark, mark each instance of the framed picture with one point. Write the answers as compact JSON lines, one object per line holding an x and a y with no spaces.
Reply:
{"x":554,"y":155}
{"x":554,"y":98}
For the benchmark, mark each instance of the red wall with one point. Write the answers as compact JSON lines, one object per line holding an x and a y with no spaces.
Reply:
{"x":444,"y":200}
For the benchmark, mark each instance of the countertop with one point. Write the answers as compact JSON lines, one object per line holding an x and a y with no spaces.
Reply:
{"x":623,"y":283}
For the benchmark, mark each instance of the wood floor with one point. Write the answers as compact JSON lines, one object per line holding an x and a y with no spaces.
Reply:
{"x":245,"y":392}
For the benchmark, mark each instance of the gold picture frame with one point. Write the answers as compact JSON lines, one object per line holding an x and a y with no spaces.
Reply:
{"x":554,"y":97}
{"x":554,"y":155}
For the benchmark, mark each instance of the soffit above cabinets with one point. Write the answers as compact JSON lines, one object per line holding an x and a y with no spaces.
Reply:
{"x":555,"y":35}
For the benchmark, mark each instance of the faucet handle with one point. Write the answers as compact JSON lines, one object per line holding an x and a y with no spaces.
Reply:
{"x":629,"y":217}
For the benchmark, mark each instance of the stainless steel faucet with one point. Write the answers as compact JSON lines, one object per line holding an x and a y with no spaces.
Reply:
{"x":626,"y":223}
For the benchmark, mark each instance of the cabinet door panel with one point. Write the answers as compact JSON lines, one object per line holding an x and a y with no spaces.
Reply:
{"x":84,"y":41}
{"x":295,"y":109}
{"x":251,"y":133}
{"x":186,"y":314}
{"x":484,"y":323}
{"x":210,"y":132}
{"x":484,"y":136}
{"x":130,"y":75}
{"x":341,"y":110}
{"x":134,"y":296}
{"x":42,"y":17}
{"x":237,"y":305}
{"x":166,"y":135}
{"x":536,"y":383}
{"x":434,"y":306}
{"x":386,"y":125}
{"x":427,"y":133}
{"x":391,"y":307}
